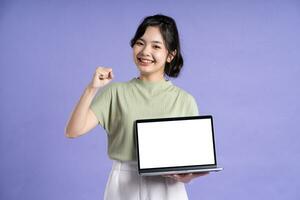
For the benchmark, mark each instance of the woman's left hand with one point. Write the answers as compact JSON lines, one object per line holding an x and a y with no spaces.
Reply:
{"x":185,"y":178}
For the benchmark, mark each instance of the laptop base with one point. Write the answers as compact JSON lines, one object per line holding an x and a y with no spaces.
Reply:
{"x":217,"y":169}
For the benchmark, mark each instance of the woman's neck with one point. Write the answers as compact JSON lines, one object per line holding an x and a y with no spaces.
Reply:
{"x":151,"y":78}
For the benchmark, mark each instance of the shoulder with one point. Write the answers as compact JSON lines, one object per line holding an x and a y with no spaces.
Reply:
{"x":116,"y":88}
{"x":183,"y":93}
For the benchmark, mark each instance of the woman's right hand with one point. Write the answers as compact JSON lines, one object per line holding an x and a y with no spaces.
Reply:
{"x":83,"y":118}
{"x":101,"y":77}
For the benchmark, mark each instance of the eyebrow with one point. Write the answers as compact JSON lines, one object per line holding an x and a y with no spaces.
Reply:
{"x":154,"y":41}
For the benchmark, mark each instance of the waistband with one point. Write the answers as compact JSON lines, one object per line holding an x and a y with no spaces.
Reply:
{"x":125,"y":165}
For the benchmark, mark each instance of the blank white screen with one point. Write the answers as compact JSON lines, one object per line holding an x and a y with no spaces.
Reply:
{"x":175,"y":143}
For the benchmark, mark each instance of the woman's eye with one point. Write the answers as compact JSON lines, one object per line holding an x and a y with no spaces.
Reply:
{"x":156,"y":47}
{"x":139,"y":43}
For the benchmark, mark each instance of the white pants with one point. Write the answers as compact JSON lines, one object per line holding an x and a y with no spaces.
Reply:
{"x":125,"y":183}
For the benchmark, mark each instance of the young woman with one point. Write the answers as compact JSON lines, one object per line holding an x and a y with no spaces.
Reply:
{"x":157,"y":55}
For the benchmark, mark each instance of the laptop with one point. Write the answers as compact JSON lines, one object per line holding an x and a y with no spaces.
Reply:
{"x":175,"y":145}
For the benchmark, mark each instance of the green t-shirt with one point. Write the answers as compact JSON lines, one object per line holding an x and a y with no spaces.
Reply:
{"x":118,"y":105}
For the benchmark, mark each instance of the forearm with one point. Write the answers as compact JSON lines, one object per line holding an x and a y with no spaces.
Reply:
{"x":79,"y":114}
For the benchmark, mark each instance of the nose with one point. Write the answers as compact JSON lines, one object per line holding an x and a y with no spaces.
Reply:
{"x":146,"y":50}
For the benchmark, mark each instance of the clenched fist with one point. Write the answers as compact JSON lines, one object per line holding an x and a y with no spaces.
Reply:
{"x":102,"y":77}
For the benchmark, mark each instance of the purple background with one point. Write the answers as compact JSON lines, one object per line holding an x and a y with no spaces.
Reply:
{"x":242,"y":64}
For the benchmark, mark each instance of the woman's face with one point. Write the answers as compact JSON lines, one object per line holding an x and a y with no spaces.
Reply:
{"x":150,"y":54}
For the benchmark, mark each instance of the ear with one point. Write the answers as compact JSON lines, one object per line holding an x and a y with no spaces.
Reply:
{"x":171,"y":56}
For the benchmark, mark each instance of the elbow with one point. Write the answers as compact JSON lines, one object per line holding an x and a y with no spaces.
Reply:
{"x":70,"y":134}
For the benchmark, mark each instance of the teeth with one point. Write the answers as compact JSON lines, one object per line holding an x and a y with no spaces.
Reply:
{"x":145,"y":61}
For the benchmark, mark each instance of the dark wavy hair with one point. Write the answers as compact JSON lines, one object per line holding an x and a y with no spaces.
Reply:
{"x":168,"y":29}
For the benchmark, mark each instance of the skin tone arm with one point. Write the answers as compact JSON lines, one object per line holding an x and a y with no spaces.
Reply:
{"x":83,"y":119}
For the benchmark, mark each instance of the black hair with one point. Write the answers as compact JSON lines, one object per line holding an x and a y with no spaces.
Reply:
{"x":168,"y":29}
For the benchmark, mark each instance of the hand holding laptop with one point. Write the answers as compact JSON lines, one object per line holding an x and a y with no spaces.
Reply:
{"x":185,"y":178}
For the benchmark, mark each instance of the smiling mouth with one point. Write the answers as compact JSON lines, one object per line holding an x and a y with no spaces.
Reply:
{"x":145,"y":61}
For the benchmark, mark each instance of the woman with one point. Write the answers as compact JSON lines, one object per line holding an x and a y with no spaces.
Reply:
{"x":157,"y":55}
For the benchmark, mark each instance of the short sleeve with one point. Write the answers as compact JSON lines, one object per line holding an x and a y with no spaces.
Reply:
{"x":101,"y":105}
{"x":192,"y":107}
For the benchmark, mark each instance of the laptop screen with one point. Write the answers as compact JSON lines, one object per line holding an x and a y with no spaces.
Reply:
{"x":175,"y":142}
